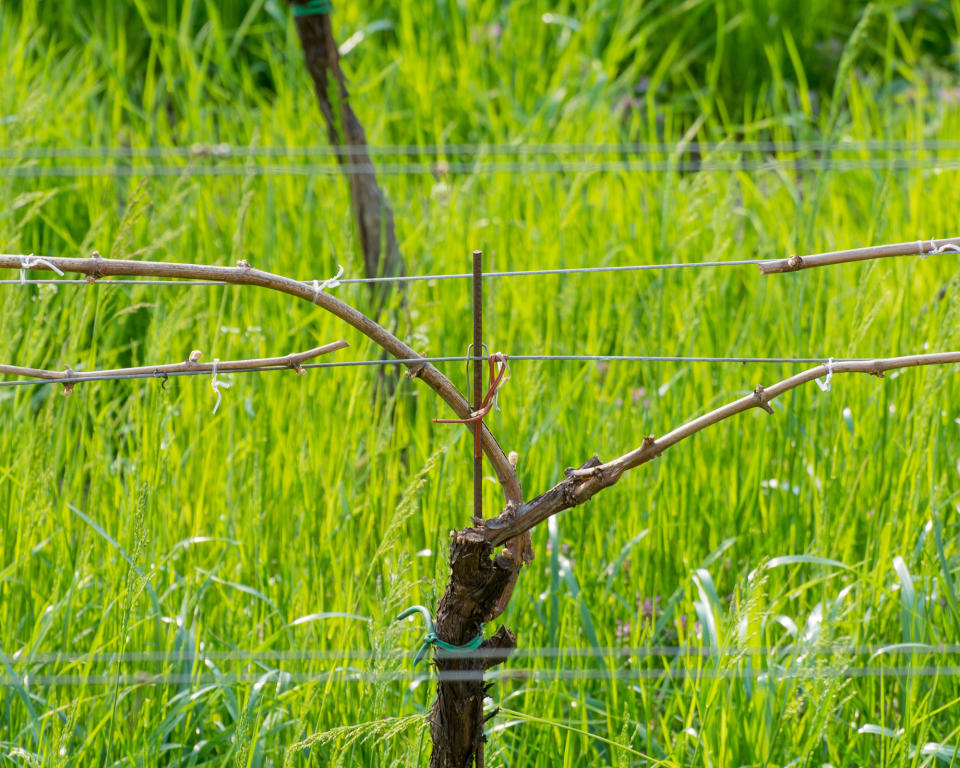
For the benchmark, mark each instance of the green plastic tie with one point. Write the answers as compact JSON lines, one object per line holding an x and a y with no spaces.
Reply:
{"x":431,"y":637}
{"x":312,"y":8}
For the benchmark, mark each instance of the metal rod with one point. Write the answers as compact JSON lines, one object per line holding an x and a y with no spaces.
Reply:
{"x":477,"y":380}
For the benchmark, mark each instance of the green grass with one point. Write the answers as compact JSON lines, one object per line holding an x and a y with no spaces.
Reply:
{"x":134,"y":521}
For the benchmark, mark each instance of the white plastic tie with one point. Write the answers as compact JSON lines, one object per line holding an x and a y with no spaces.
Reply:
{"x":28,"y":262}
{"x":945,"y":248}
{"x":330,"y":282}
{"x":217,"y":385}
{"x":825,"y":384}
{"x":933,"y":249}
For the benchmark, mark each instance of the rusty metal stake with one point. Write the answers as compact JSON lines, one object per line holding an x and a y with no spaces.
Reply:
{"x":478,"y":378}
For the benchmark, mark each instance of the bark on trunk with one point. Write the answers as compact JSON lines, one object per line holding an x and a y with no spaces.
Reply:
{"x":477,"y":585}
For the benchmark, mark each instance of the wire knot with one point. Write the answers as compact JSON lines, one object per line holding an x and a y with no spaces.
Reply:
{"x":323,"y":285}
{"x":31,"y":261}
{"x":945,"y":248}
{"x":934,"y":250}
{"x":825,"y":384}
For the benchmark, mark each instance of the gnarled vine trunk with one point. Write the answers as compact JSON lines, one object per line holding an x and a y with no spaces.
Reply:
{"x":478,"y":581}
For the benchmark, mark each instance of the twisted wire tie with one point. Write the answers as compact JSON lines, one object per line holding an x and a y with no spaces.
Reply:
{"x":27,"y":262}
{"x":330,"y":282}
{"x":216,"y":385}
{"x":945,"y":248}
{"x":825,"y":384}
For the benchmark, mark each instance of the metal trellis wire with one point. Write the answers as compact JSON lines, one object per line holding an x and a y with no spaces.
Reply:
{"x":481,"y":167}
{"x":226,"y":150}
{"x":451,"y":359}
{"x":414,"y":278}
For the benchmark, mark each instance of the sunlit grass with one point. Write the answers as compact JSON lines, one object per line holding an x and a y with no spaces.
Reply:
{"x":790,"y":548}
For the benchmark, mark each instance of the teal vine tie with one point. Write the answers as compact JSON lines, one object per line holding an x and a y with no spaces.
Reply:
{"x":312,"y":8}
{"x":431,"y":637}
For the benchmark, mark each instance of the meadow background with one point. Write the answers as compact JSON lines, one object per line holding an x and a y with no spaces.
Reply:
{"x":140,"y":534}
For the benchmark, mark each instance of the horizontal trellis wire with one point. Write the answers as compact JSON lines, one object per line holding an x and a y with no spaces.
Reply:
{"x":346,"y":675}
{"x":481,"y":167}
{"x":223,"y":149}
{"x":790,"y":663}
{"x":413,"y":278}
{"x":923,"y":251}
{"x":571,"y":651}
{"x":452,"y":359}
